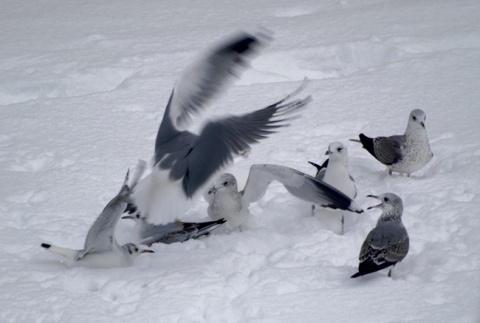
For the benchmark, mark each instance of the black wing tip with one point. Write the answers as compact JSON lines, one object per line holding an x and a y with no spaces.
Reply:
{"x":46,"y":245}
{"x":357,"y":275}
{"x":367,"y":143}
{"x":317,"y":166}
{"x":246,"y":42}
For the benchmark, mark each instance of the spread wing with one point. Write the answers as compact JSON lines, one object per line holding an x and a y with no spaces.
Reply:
{"x":299,"y":184}
{"x":100,"y":237}
{"x":200,"y":157}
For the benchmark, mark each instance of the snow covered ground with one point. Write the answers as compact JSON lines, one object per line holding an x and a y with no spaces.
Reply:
{"x":83,"y":86}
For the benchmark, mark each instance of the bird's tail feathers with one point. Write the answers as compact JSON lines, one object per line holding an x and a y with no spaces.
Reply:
{"x":68,"y":254}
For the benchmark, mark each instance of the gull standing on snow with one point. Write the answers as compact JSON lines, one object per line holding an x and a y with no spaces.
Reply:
{"x":388,"y":242}
{"x":334,"y":171}
{"x":101,"y":248}
{"x":184,"y":162}
{"x":177,"y":231}
{"x":403,"y":154}
{"x":226,"y":201}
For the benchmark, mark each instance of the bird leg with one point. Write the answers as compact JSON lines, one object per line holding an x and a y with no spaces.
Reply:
{"x":390,"y":172}
{"x":313,"y":209}
{"x":343,"y":225}
{"x":390,"y":272}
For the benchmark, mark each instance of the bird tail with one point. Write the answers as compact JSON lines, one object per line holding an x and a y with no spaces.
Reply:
{"x":68,"y":254}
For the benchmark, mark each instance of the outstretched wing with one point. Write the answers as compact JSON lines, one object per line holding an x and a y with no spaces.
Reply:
{"x":198,"y":158}
{"x":299,"y":184}
{"x":177,"y":231}
{"x":206,"y":77}
{"x":203,"y":80}
{"x":100,"y":236}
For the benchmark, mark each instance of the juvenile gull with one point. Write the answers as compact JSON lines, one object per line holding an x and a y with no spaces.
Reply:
{"x":185,"y":162}
{"x":226,"y":201}
{"x":177,"y":231}
{"x":101,"y":248}
{"x":334,"y":171}
{"x":388,"y":242}
{"x":405,"y":153}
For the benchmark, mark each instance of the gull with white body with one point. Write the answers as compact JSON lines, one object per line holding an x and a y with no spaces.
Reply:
{"x":185,"y":162}
{"x":334,"y":171}
{"x":101,"y":248}
{"x":226,"y":201}
{"x":405,"y":153}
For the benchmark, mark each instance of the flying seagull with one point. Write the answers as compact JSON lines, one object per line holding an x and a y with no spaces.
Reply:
{"x":101,"y":248}
{"x":185,"y":162}
{"x":334,"y":171}
{"x":405,"y":153}
{"x":226,"y":201}
{"x":388,"y":242}
{"x":177,"y":231}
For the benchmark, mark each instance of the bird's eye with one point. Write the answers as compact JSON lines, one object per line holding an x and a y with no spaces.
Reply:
{"x":138,"y":216}
{"x":225,"y":183}
{"x":414,"y":118}
{"x":386,"y":199}
{"x":339,"y":149}
{"x":136,"y":249}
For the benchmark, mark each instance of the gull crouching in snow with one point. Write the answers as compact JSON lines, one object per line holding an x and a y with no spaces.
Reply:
{"x":101,"y":247}
{"x":334,"y":171}
{"x":185,"y":162}
{"x":177,"y":231}
{"x":405,"y":153}
{"x":388,"y":242}
{"x":226,"y":201}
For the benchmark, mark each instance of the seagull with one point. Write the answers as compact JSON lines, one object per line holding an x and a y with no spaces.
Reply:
{"x":403,"y":154}
{"x":184,"y":162}
{"x":101,"y":247}
{"x":388,"y":242}
{"x":334,"y":171}
{"x":226,"y":201}
{"x":177,"y":231}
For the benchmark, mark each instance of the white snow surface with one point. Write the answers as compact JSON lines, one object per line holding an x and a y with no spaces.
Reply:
{"x":83,"y":87}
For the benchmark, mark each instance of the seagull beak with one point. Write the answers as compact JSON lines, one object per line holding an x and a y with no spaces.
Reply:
{"x":147,"y":251}
{"x":375,"y":206}
{"x":127,"y":217}
{"x":212,"y":190}
{"x":328,"y":152}
{"x":422,"y":124}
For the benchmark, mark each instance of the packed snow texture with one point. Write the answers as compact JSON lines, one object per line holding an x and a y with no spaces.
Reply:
{"x":83,"y":88}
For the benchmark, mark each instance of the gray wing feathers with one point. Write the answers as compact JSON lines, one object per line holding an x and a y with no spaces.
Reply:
{"x":388,"y":150}
{"x":206,"y":77}
{"x":100,"y":236}
{"x":221,"y":140}
{"x":301,"y":185}
{"x":389,"y":241}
